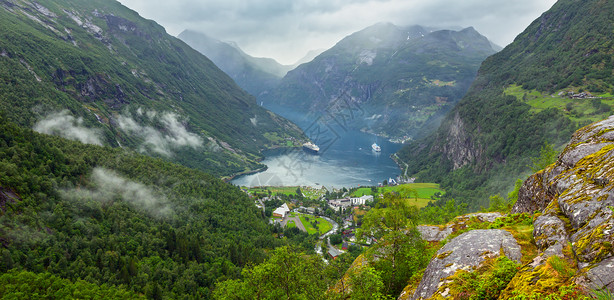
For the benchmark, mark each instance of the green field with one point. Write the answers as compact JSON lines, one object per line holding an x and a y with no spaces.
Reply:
{"x":308,"y":192}
{"x":578,"y":110}
{"x":290,"y":224}
{"x":424,"y":190}
{"x":323,"y":226}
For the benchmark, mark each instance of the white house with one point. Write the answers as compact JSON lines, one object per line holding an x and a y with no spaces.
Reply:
{"x":361,"y":200}
{"x":281,"y":211}
{"x":339,"y":203}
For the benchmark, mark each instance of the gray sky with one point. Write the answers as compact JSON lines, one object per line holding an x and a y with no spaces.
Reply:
{"x":287,"y":29}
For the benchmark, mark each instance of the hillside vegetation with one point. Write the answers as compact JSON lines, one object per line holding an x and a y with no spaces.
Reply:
{"x":112,"y":218}
{"x":523,"y":98}
{"x":96,"y":71}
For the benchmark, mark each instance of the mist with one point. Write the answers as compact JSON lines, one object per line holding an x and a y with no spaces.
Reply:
{"x":67,"y":126}
{"x":107,"y":186}
{"x":171,"y":136}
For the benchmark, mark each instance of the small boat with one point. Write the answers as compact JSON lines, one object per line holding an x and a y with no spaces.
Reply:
{"x":311,"y":147}
{"x":376,"y":148}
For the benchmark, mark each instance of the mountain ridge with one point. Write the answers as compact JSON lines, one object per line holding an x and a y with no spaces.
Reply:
{"x":254,"y":74}
{"x":523,"y":97}
{"x":403,"y":78}
{"x":103,"y":63}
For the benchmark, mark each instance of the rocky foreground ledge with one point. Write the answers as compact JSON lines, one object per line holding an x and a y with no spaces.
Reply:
{"x":574,"y":199}
{"x":571,"y":202}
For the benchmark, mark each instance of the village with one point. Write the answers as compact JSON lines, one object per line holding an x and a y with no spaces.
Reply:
{"x":334,"y":216}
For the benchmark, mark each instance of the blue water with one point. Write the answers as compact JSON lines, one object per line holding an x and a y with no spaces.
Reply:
{"x":345,"y":159}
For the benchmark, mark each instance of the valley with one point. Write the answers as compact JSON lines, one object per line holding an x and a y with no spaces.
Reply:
{"x":402,"y":162}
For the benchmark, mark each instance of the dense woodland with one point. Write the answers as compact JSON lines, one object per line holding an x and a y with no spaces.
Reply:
{"x":94,"y":221}
{"x":115,"y":217}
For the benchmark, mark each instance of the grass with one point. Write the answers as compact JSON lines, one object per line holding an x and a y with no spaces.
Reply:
{"x":290,"y":224}
{"x":323,"y":225}
{"x":578,"y":110}
{"x":308,"y":192}
{"x":424,"y":190}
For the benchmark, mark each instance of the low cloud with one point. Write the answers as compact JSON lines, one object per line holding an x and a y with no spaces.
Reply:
{"x":66,"y":125}
{"x":286,"y":30}
{"x":108,"y":186}
{"x":171,"y":136}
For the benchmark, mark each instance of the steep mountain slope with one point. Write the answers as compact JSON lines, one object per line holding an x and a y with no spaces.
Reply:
{"x":253,"y":74}
{"x":98,"y":72}
{"x":402,"y":80}
{"x":556,"y":76}
{"x":112,"y":218}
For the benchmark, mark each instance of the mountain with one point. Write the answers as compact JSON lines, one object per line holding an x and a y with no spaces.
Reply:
{"x":307,"y":58}
{"x":401,"y":80}
{"x":555,"y":77}
{"x":97,"y":72}
{"x":253,"y":74}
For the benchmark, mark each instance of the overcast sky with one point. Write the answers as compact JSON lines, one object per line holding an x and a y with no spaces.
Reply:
{"x":287,"y":29}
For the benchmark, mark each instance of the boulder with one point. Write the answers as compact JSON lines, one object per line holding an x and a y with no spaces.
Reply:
{"x":431,"y":233}
{"x":434,"y":233}
{"x":467,"y":251}
{"x":600,"y":275}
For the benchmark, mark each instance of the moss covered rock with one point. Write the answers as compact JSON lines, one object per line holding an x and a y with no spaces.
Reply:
{"x":465,"y":252}
{"x":574,"y":197}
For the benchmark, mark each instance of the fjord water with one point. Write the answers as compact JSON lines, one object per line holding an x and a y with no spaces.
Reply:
{"x":345,"y":160}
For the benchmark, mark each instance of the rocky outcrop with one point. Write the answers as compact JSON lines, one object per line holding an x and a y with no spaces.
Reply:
{"x":575,"y":196}
{"x":467,"y":252}
{"x":433,"y":233}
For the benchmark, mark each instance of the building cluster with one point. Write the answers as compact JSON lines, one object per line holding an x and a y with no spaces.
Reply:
{"x":581,"y":95}
{"x":338,"y":204}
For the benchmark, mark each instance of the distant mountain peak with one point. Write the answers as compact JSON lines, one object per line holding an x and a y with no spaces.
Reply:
{"x":254,"y":74}
{"x":409,"y":75}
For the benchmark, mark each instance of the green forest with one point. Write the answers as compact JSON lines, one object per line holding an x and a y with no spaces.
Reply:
{"x":97,"y":215}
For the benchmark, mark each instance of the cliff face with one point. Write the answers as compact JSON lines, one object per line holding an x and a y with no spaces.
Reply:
{"x":459,"y":148}
{"x":575,"y":197}
{"x":560,"y":229}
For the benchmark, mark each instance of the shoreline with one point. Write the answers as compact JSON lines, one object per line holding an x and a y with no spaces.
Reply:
{"x":230,"y":178}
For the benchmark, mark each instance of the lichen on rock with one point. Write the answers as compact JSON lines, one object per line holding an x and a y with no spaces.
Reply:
{"x":574,"y":195}
{"x":467,"y":252}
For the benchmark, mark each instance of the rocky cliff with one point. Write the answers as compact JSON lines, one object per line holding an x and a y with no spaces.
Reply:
{"x":566,"y":214}
{"x":574,"y":199}
{"x":526,"y":95}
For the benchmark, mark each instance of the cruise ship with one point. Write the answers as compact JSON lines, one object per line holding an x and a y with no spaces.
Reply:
{"x":311,"y":147}
{"x":376,"y":148}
